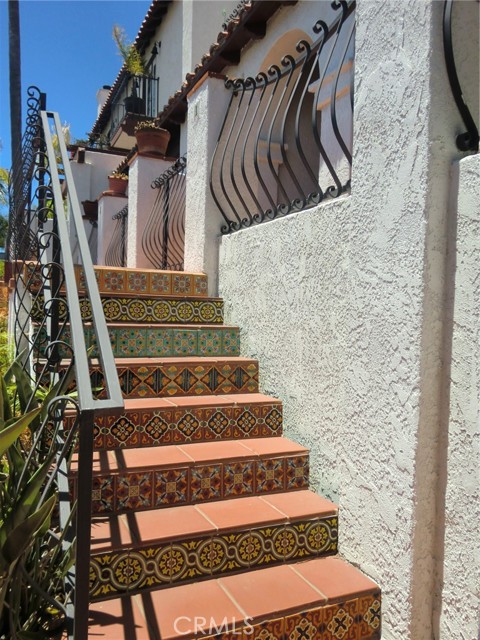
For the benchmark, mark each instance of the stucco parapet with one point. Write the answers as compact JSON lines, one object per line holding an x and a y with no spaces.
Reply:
{"x":207,"y":76}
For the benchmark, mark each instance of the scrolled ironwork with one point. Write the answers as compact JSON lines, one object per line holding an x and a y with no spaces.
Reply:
{"x":285,"y":143}
{"x":116,"y":254}
{"x":468,"y":140}
{"x":47,"y":325}
{"x":164,"y":235}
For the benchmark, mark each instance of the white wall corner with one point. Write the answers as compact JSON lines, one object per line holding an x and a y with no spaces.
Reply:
{"x":206,"y":111}
{"x":141,"y":198}
{"x":458,"y":544}
{"x":108,"y":206}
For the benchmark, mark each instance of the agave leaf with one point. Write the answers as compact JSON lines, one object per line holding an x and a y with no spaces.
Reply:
{"x":29,"y":497}
{"x":20,"y":538}
{"x":23,"y":383}
{"x":9,"y":434}
{"x":5,"y":407}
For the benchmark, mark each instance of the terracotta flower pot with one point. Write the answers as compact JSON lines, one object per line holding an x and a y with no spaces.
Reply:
{"x":117,"y":185}
{"x":90,"y":209}
{"x":154,"y":141}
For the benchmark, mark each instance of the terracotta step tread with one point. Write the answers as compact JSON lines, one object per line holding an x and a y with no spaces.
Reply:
{"x":189,"y":454}
{"x":176,"y":523}
{"x":160,"y":325}
{"x":278,"y":602}
{"x":145,"y":404}
{"x":184,"y":360}
{"x":139,"y":270}
{"x":133,"y":404}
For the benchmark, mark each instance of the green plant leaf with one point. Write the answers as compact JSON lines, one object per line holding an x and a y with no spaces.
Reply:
{"x":9,"y":434}
{"x":23,"y":535}
{"x":5,"y":406}
{"x":30,"y":495}
{"x":23,"y":383}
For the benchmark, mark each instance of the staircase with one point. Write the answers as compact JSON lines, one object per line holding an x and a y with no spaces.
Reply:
{"x":203,"y":524}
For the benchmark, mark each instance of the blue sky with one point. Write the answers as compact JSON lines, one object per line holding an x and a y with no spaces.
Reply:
{"x":69,"y":53}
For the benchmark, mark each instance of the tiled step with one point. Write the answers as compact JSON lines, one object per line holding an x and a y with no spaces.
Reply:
{"x":178,"y":377}
{"x":118,"y":280}
{"x":152,"y":340}
{"x":137,"y":479}
{"x":319,"y":599}
{"x":153,"y":422}
{"x":160,"y":548}
{"x":136,"y":309}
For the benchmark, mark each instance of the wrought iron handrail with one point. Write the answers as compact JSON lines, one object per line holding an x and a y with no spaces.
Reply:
{"x":48,"y":320}
{"x":276,"y":150}
{"x":164,"y":235}
{"x":467,"y":141}
{"x":116,"y":254}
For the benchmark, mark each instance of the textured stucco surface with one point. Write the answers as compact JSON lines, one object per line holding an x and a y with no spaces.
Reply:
{"x":460,"y":616}
{"x":141,"y":198}
{"x":202,"y":220}
{"x":108,"y":206}
{"x":344,"y":307}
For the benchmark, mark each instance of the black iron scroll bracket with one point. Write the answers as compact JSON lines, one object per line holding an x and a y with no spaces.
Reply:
{"x":467,"y":141}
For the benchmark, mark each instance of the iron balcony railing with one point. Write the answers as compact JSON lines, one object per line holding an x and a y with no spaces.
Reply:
{"x":49,"y":294}
{"x":137,"y":95}
{"x":116,"y":254}
{"x":163,"y":239}
{"x":286,"y":141}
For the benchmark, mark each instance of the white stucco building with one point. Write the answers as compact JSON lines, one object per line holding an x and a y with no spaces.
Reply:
{"x":364,"y":308}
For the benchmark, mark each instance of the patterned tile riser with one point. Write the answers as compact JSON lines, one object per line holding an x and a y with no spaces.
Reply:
{"x":146,"y":283}
{"x":180,"y":426}
{"x":161,"y":565}
{"x":355,"y":619}
{"x":148,"y":310}
{"x":161,"y":342}
{"x":124,"y":492}
{"x":157,"y":381}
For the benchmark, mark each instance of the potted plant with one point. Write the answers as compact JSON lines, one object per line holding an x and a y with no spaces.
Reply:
{"x":135,"y":67}
{"x":117,"y":183}
{"x":151,"y":138}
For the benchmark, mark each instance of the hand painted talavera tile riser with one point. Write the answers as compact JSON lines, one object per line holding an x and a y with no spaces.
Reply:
{"x":165,"y":564}
{"x":125,"y":491}
{"x":194,"y":424}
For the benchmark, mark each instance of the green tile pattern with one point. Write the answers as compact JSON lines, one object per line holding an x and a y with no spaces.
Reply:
{"x":160,"y":341}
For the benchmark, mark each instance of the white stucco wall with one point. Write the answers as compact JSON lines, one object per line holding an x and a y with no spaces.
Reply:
{"x":461,"y":574}
{"x":91,"y":179}
{"x":141,"y":198}
{"x":202,"y":22}
{"x":168,"y":62}
{"x":202,"y":219}
{"x":108,"y":206}
{"x":343,"y":306}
